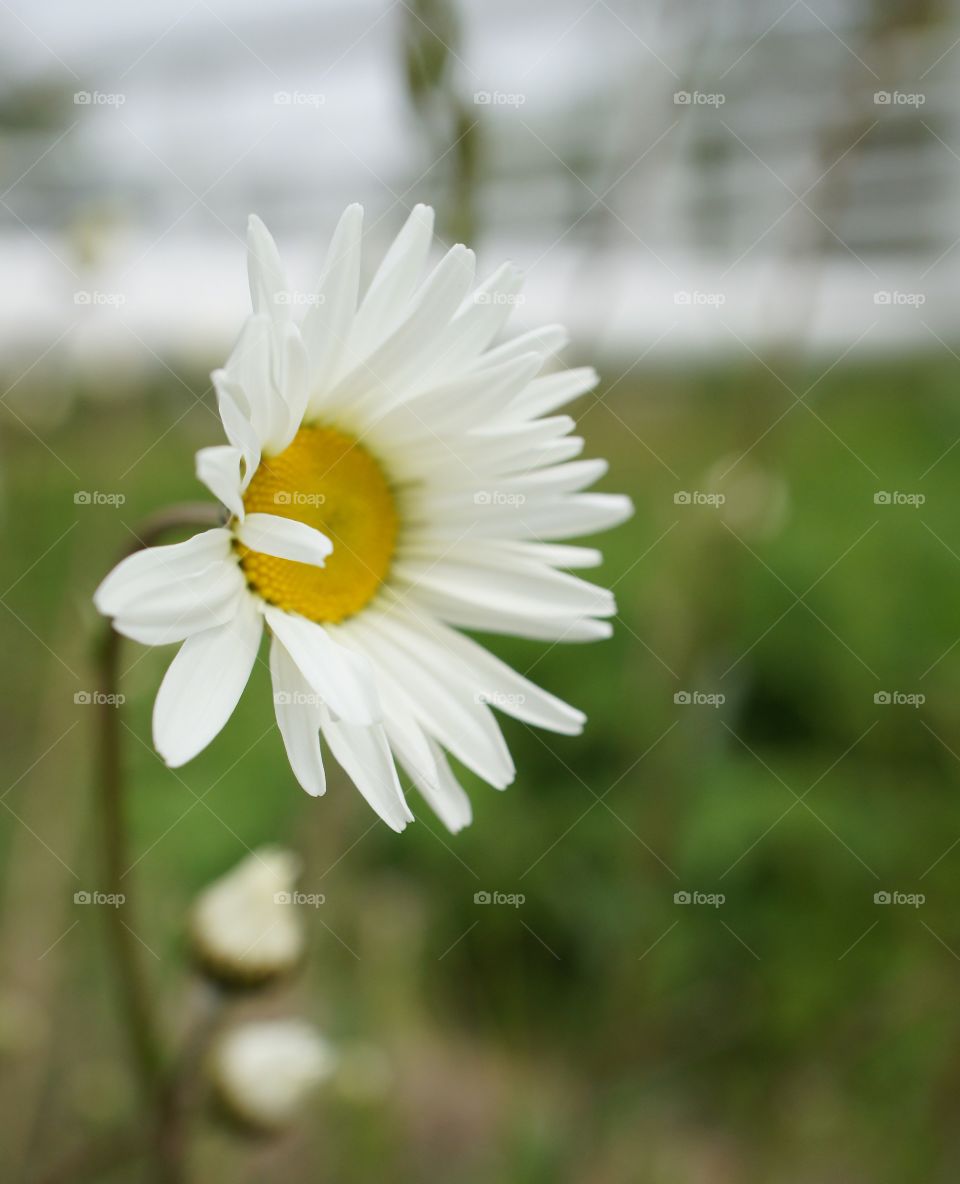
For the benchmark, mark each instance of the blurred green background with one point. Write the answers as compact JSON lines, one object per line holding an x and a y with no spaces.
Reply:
{"x":600,"y":1031}
{"x":775,"y":724}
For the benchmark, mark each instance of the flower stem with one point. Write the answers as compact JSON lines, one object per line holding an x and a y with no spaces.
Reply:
{"x":137,"y":1006}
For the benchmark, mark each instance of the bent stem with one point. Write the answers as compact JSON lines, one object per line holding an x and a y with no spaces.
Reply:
{"x":137,"y":1006}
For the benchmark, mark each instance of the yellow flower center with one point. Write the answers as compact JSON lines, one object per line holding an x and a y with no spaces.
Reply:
{"x":328,"y":480}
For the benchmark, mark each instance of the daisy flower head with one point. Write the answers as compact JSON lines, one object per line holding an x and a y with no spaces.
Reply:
{"x":391,"y":477}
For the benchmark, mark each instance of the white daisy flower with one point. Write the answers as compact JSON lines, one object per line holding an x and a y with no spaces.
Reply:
{"x":390,"y":478}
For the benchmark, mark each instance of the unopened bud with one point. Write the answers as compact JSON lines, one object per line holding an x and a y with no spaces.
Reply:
{"x":244,"y":928}
{"x":264,"y":1072}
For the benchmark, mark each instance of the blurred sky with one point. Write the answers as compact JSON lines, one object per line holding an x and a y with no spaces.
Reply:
{"x":783,"y":205}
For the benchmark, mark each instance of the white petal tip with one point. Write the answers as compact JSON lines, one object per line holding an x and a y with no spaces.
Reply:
{"x":170,"y":759}
{"x":399,"y":824}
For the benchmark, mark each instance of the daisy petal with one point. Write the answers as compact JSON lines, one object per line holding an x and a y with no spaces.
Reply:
{"x":548,"y":340}
{"x":522,"y":587}
{"x":518,"y":624}
{"x":498,"y":684}
{"x":284,"y":538}
{"x":203,"y":685}
{"x":477,"y":322}
{"x":327,"y":324}
{"x":342,"y":678}
{"x":298,"y":718}
{"x":546,"y":394}
{"x":159,"y":567}
{"x":460,"y":722}
{"x":380,"y":378}
{"x":188,"y":605}
{"x":364,"y":754}
{"x":390,"y":289}
{"x":443,"y":793}
{"x":239,"y":430}
{"x":292,"y":381}
{"x":265,"y":272}
{"x":219,"y":469}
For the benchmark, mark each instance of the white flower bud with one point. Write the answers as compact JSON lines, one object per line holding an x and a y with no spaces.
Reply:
{"x":244,"y":928}
{"x":264,"y":1071}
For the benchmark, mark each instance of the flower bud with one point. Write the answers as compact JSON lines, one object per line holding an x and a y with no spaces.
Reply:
{"x":244,"y":928}
{"x":264,"y":1071}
